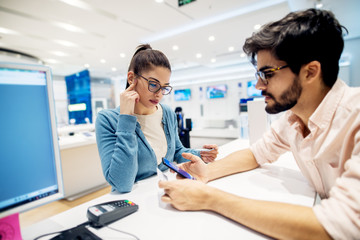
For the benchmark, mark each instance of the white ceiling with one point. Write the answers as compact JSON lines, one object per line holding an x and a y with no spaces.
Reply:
{"x":105,"y":29}
{"x":109,"y":28}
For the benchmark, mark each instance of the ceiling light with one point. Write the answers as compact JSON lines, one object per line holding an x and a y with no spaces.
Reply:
{"x":86,"y":65}
{"x":213,"y":60}
{"x":159,"y":1}
{"x":77,"y":3}
{"x":242,"y":55}
{"x":59,"y":53}
{"x":319,"y":5}
{"x":211,"y":38}
{"x":103,"y":61}
{"x":113,"y":69}
{"x":68,"y":27}
{"x":175,"y":47}
{"x":53,"y":61}
{"x":8,"y":31}
{"x":198,"y":55}
{"x":65,"y":43}
{"x":257,"y":26}
{"x":231,"y":49}
{"x":122,"y":55}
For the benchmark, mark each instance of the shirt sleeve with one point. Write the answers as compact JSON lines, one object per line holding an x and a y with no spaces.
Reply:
{"x":340,"y":213}
{"x":273,"y":143}
{"x":118,"y":149}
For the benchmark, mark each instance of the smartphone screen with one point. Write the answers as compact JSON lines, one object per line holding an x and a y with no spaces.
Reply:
{"x":172,"y":166}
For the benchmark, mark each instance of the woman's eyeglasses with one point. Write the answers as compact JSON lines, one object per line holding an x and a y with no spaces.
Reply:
{"x":264,"y":76}
{"x":154,"y":86}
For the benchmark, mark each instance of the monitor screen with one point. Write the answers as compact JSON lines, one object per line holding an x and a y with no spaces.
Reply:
{"x":251,"y":90}
{"x":182,"y":94}
{"x":30,"y":172}
{"x":79,"y":97}
{"x":217,"y":91}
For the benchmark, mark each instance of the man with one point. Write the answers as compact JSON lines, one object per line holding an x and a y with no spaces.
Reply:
{"x":297,"y":61}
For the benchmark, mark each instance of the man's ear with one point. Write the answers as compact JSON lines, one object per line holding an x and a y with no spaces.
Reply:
{"x":312,"y":70}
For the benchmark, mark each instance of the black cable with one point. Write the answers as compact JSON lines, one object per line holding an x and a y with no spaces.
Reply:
{"x":47,"y":234}
{"x":117,"y":230}
{"x":59,"y":232}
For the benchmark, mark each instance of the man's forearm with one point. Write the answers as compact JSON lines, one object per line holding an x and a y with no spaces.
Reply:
{"x":235,"y":162}
{"x":278,"y":220}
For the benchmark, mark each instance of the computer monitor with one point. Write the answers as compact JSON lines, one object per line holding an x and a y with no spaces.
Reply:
{"x":30,"y":167}
{"x":251,"y":89}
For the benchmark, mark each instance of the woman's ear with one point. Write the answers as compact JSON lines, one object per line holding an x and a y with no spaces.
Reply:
{"x":130,"y":77}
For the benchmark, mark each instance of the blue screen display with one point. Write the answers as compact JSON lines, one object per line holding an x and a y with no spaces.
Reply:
{"x":27,"y":159}
{"x":217,"y":91}
{"x":251,"y":90}
{"x":79,"y":97}
{"x":182,"y":94}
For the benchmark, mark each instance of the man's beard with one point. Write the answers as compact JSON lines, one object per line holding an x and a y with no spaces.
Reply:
{"x":287,"y":100}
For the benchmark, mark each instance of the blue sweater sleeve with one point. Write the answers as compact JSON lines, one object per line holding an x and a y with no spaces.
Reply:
{"x":118,"y":149}
{"x":179,"y":148}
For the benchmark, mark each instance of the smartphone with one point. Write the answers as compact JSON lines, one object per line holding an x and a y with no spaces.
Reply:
{"x":175,"y":168}
{"x":205,"y":149}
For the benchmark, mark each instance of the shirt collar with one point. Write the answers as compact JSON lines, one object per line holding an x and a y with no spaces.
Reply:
{"x":324,"y":112}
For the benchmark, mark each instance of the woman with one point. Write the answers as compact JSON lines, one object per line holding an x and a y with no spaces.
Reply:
{"x":133,"y":138}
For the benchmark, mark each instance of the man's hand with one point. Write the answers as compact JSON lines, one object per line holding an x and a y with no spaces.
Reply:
{"x":196,"y":167}
{"x":185,"y":194}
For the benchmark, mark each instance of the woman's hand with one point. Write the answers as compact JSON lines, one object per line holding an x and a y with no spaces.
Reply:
{"x":209,"y":156}
{"x":128,"y":98}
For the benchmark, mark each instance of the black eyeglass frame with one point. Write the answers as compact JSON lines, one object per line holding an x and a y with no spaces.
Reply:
{"x":262,"y":74}
{"x":158,"y":84}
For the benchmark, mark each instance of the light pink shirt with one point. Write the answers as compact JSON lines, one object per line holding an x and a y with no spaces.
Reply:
{"x":329,"y":157}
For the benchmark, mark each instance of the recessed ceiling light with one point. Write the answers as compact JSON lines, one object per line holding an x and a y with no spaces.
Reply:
{"x":53,"y":61}
{"x":122,"y":55}
{"x":231,"y":49}
{"x":242,"y":55}
{"x":211,"y":38}
{"x":319,"y":5}
{"x":8,"y":31}
{"x":159,"y":1}
{"x":175,"y":47}
{"x":65,"y":43}
{"x":213,"y":60}
{"x":59,"y":53}
{"x":68,"y":27}
{"x":113,"y":69}
{"x":86,"y":65}
{"x":198,"y":55}
{"x":257,"y":26}
{"x":103,"y":61}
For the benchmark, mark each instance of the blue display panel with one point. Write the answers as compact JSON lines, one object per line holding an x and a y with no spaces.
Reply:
{"x":79,"y":97}
{"x":251,"y":90}
{"x":216,"y":91}
{"x":30,"y":172}
{"x":182,"y":94}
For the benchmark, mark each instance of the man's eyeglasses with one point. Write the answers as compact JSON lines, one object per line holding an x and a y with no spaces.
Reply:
{"x":264,"y":76}
{"x":154,"y":86}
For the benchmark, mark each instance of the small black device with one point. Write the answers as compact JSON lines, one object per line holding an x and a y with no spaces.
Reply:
{"x":177,"y":169}
{"x":79,"y":232}
{"x":105,"y":213}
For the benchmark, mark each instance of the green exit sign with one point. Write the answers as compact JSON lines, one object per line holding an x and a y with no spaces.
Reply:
{"x":183,"y":2}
